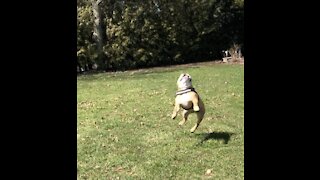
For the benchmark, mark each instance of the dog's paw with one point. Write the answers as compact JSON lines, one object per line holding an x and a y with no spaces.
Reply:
{"x":193,"y":129}
{"x":173,"y":116}
{"x":196,"y":108}
{"x":182,"y":123}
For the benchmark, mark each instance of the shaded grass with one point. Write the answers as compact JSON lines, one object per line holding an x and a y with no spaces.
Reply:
{"x":125,"y":130}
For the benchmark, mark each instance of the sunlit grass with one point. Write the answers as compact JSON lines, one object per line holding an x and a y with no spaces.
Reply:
{"x":125,"y":130}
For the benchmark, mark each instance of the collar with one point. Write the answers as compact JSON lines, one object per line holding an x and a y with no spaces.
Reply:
{"x":185,"y":91}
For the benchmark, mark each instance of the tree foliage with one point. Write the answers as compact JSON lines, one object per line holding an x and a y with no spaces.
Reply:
{"x":159,"y":32}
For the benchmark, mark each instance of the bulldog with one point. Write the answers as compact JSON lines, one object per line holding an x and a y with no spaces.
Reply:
{"x":189,"y":100}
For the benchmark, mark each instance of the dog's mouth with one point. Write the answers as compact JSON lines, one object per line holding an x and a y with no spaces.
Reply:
{"x":185,"y":77}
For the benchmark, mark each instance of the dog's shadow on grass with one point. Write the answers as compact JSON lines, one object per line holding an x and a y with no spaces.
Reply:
{"x":225,"y":136}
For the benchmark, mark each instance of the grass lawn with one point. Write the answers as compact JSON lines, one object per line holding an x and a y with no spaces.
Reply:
{"x":124,"y":129}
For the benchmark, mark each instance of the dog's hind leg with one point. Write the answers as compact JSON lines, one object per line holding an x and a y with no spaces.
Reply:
{"x":200,"y":117}
{"x":185,"y":114}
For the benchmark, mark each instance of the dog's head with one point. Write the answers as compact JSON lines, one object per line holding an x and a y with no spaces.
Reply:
{"x":184,"y":81}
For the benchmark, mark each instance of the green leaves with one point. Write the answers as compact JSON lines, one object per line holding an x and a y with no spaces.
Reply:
{"x":168,"y":32}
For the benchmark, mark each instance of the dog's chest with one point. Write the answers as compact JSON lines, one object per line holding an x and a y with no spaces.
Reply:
{"x":186,"y":104}
{"x":185,"y":101}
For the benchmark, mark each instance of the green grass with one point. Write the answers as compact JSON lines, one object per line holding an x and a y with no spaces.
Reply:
{"x":125,"y":131}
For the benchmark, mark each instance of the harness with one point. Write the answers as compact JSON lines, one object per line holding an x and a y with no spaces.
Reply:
{"x":185,"y":91}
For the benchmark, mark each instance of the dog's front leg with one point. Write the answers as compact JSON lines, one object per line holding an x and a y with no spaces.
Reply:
{"x":175,"y":110}
{"x":195,"y":104}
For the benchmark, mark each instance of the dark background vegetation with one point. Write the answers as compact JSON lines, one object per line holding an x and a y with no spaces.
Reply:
{"x":121,"y":34}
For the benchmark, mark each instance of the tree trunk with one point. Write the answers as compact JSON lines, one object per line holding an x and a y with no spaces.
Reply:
{"x":99,"y":33}
{"x":78,"y":66}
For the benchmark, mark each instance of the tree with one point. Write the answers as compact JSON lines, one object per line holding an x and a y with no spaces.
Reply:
{"x":99,"y":33}
{"x":125,"y":34}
